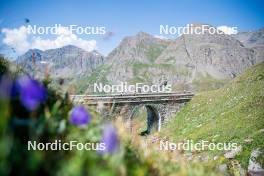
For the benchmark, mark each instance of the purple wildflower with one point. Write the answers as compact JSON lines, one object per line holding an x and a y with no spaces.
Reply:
{"x":31,"y":92}
{"x":110,"y":139}
{"x":79,"y":116}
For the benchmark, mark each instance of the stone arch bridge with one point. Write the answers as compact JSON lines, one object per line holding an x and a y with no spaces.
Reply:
{"x":160,"y":106}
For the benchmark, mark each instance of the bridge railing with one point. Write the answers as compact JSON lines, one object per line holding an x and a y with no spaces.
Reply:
{"x":132,"y":98}
{"x":130,"y":94}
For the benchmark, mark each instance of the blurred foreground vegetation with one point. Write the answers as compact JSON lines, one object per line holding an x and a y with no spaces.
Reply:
{"x":50,"y":122}
{"x":230,"y":114}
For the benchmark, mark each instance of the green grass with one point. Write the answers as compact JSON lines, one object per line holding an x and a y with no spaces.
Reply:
{"x":207,"y":82}
{"x":230,"y":114}
{"x":170,"y":59}
{"x":141,"y":71}
{"x":154,"y":51}
{"x":99,"y":76}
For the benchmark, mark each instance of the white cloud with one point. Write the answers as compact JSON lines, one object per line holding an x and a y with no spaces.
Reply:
{"x":21,"y":40}
{"x":17,"y":39}
{"x":228,"y":30}
{"x":161,"y":37}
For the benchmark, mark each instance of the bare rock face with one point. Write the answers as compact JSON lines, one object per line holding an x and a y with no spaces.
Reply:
{"x":231,"y":154}
{"x":254,"y":167}
{"x":218,"y":56}
{"x":135,"y":51}
{"x":66,"y":62}
{"x":252,"y":38}
{"x":259,"y":53}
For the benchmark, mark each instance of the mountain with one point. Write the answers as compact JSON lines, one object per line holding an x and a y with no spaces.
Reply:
{"x":66,"y":62}
{"x":199,"y":60}
{"x":140,"y":49}
{"x":253,"y":40}
{"x":189,"y":62}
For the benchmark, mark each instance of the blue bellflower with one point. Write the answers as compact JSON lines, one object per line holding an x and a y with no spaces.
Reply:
{"x":79,"y":116}
{"x":31,"y":93}
{"x":110,"y":139}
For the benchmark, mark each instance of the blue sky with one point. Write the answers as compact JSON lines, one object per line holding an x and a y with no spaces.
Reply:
{"x":125,"y":18}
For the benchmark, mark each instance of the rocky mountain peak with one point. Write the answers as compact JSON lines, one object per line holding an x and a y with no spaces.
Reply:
{"x":70,"y":47}
{"x":135,"y":47}
{"x":67,"y":61}
{"x":142,"y":35}
{"x":251,"y":38}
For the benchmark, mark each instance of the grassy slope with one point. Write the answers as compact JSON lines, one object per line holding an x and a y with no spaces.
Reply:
{"x":230,"y":114}
{"x":97,"y":76}
{"x":207,"y":82}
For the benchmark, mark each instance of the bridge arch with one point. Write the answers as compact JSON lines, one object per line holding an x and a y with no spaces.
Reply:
{"x":159,"y":106}
{"x":153,"y":118}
